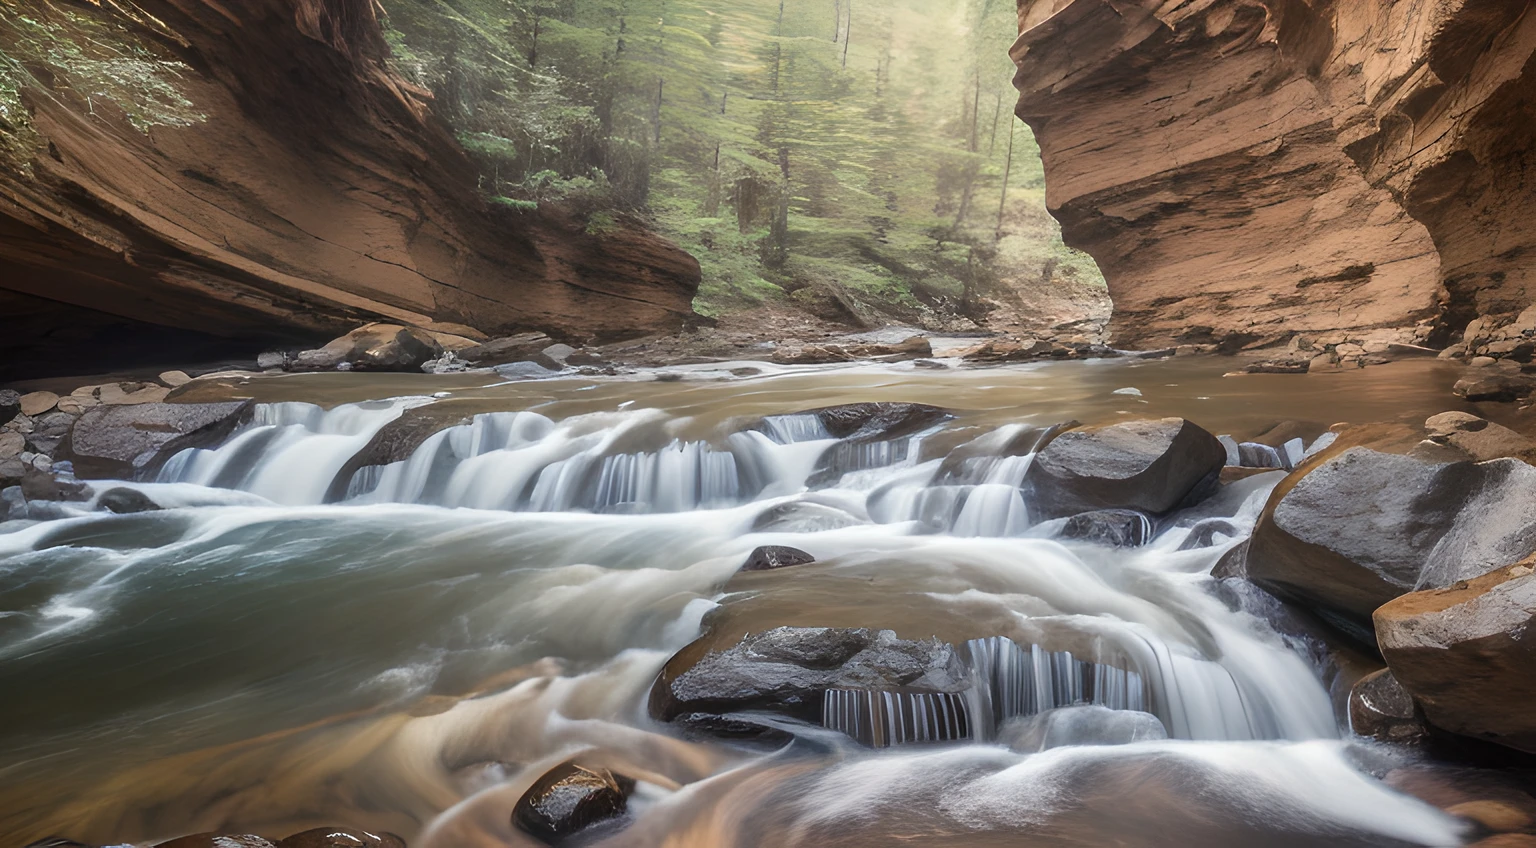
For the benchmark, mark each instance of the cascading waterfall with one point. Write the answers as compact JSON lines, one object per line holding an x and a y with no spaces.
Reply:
{"x":508,"y":592}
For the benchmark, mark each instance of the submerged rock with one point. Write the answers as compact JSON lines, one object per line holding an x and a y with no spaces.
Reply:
{"x":1364,"y":527}
{"x":341,"y":837}
{"x":770,"y":557}
{"x":1148,"y":466}
{"x":129,"y":442}
{"x":1119,"y":528}
{"x":787,"y":669}
{"x":569,"y":799}
{"x":1084,"y":725}
{"x":1467,"y":654}
{"x":124,"y":501}
{"x":873,"y":421}
{"x":217,"y":840}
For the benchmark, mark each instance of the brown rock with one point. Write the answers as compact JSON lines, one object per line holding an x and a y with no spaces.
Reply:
{"x":1499,"y":388}
{"x":175,"y":379}
{"x":1468,"y":654}
{"x":1353,"y":154}
{"x":373,"y":347}
{"x":524,"y":347}
{"x":1479,"y":439}
{"x":341,"y":837}
{"x":1497,"y":817}
{"x":11,"y":443}
{"x":36,"y":403}
{"x":286,"y":210}
{"x":1506,"y":840}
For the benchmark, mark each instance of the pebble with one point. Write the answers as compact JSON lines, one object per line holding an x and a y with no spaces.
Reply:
{"x":37,"y":403}
{"x":1483,"y":362}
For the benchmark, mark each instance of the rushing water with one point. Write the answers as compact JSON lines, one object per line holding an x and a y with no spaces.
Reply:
{"x":296,"y":642}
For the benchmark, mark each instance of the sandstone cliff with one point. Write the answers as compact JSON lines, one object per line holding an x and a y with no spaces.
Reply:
{"x":1243,"y":170}
{"x":255,"y":169}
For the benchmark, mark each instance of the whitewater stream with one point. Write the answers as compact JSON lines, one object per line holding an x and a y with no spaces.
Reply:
{"x":294,"y":641}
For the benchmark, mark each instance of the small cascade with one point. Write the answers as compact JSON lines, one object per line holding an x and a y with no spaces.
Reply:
{"x":799,"y":427}
{"x":883,"y":719}
{"x":1008,"y":681}
{"x":1013,"y":681}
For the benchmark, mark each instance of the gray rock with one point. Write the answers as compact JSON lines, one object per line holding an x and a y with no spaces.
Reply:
{"x":48,"y":431}
{"x":1234,"y":453}
{"x":1118,"y":528}
{"x":1365,"y":527}
{"x":1379,"y":707}
{"x":124,"y":501}
{"x":10,"y":405}
{"x":1152,"y":467}
{"x":131,"y":442}
{"x":1254,"y":455}
{"x":864,"y":422}
{"x":558,"y":352}
{"x":786,"y":670}
{"x":525,"y":347}
{"x":272,"y":360}
{"x":11,"y":444}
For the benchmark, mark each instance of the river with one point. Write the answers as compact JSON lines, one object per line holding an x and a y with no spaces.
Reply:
{"x":409,"y":649}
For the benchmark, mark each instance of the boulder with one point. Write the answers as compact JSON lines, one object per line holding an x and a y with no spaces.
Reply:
{"x":1467,"y":654}
{"x":1362,"y":527}
{"x":915,"y":347}
{"x":175,"y":379}
{"x":341,"y":837}
{"x":11,"y":444}
{"x":1152,"y":467}
{"x":129,"y":442}
{"x":48,"y":431}
{"x":1379,"y":707}
{"x":1478,"y":438}
{"x":770,"y":557}
{"x":10,"y":405}
{"x":396,"y":441}
{"x":524,"y":347}
{"x":1494,"y":387}
{"x":569,"y":799}
{"x":1118,"y":528}
{"x":786,"y":670}
{"x":373,"y":347}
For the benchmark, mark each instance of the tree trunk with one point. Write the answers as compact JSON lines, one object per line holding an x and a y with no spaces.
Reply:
{"x":848,"y":34}
{"x":1002,"y":205}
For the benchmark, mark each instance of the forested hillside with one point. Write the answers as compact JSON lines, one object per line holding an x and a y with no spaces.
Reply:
{"x":846,"y":156}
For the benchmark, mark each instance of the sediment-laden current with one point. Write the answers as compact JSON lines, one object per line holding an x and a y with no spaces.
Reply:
{"x":298,"y":637}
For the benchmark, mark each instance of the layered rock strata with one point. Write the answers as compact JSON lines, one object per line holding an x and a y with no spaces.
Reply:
{"x":1244,"y":170}
{"x":258,"y":171}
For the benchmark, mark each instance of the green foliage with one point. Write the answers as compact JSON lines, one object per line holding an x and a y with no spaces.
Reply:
{"x":852,"y":147}
{"x":98,"y":62}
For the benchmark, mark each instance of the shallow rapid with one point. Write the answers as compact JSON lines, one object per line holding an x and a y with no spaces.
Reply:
{"x":298,"y":638}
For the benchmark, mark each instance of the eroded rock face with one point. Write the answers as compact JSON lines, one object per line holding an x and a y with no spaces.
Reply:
{"x":305,"y":188}
{"x":1147,"y":466}
{"x":1363,"y":527}
{"x":1247,"y":169}
{"x":1467,"y":654}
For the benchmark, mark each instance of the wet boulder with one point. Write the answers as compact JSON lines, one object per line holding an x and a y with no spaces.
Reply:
{"x":1477,"y":438}
{"x":341,"y":837}
{"x":125,"y":501}
{"x":771,"y":557}
{"x":1379,"y":707}
{"x":1152,"y":467}
{"x":1363,"y":527}
{"x":787,"y":670}
{"x":862,"y":422}
{"x":1467,"y":654}
{"x":1118,"y":528}
{"x":570,"y":798}
{"x":373,"y":347}
{"x":132,"y":442}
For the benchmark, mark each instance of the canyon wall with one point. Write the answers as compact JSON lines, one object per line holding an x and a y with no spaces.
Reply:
{"x":256,"y":170}
{"x":1246,"y":170}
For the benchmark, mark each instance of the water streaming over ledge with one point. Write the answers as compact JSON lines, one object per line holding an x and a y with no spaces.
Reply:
{"x":299,"y":640}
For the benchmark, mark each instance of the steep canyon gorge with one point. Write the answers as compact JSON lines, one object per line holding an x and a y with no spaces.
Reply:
{"x":256,"y":171}
{"x":1244,"y":170}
